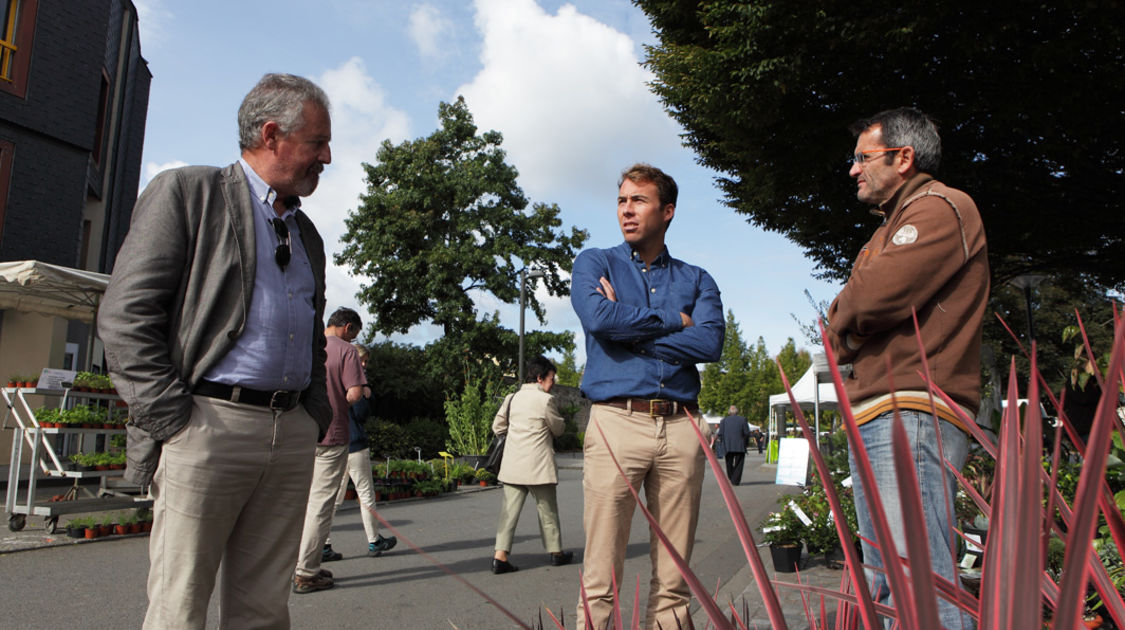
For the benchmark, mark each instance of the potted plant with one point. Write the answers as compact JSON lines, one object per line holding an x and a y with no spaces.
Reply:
{"x":784,"y":532}
{"x":47,"y":417}
{"x":15,"y":379}
{"x":76,"y":528}
{"x":820,"y":535}
{"x":484,"y":477}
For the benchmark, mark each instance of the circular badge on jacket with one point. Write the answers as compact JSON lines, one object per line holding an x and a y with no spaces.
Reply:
{"x":905,"y":235}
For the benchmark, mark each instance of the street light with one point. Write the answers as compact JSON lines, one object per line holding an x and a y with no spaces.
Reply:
{"x":1027,"y":282}
{"x":524,"y":275}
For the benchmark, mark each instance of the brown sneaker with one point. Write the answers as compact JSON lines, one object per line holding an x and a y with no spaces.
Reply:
{"x":318,"y":582}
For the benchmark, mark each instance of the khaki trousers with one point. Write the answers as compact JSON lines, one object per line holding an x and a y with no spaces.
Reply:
{"x":359,"y":470}
{"x":230,"y":492}
{"x":661,"y":454}
{"x":331,"y":465}
{"x":547,"y":507}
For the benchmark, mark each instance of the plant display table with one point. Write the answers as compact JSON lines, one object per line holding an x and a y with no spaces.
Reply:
{"x":46,"y":443}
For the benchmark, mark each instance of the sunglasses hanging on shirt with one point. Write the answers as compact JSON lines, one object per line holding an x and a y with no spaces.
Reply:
{"x":282,"y":253}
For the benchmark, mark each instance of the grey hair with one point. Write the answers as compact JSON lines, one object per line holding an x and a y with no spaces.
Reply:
{"x":277,"y":97}
{"x":907,"y":127}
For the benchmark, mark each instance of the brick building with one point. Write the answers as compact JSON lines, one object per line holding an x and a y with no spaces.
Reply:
{"x":73,"y":101}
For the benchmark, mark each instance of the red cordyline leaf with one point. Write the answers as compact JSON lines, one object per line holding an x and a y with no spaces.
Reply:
{"x":1029,"y":512}
{"x":999,"y":556}
{"x":1103,"y":583}
{"x":896,"y":578}
{"x":1081,"y":533}
{"x":761,"y":577}
{"x":917,"y":542}
{"x":855,"y":567}
{"x":709,"y":606}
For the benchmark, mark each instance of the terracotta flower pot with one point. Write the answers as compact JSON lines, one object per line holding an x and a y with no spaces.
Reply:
{"x":134,"y":528}
{"x":483,"y":483}
{"x":91,"y":532}
{"x":120,"y":529}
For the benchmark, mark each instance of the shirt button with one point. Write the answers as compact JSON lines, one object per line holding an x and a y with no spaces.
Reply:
{"x":644,"y":270}
{"x":662,"y":386}
{"x":290,"y":336}
{"x":652,"y":290}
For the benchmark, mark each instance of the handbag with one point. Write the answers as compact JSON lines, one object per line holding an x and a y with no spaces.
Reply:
{"x":495,"y":454}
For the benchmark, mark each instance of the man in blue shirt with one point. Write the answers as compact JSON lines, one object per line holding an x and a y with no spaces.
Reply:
{"x":648,"y":319}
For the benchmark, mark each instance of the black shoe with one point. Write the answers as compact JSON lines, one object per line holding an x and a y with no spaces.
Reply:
{"x":376,"y":549}
{"x":561,"y":558}
{"x":503,"y":566}
{"x":330,"y":556}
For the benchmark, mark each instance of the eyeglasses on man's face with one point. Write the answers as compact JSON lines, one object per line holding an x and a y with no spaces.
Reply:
{"x":282,"y":254}
{"x":863,"y":157}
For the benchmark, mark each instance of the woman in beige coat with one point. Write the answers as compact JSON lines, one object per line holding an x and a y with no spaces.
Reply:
{"x":531,"y":420}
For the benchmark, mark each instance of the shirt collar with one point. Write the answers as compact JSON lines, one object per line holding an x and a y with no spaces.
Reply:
{"x":265,"y":194}
{"x":660,"y":260}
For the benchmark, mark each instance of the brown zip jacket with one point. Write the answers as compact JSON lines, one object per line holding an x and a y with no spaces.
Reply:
{"x":929,"y":255}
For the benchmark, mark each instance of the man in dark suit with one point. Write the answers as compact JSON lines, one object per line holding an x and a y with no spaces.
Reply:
{"x":733,"y":433}
{"x":212,"y":324}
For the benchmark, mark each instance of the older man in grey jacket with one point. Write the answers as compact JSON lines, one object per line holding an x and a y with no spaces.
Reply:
{"x":212,"y":325}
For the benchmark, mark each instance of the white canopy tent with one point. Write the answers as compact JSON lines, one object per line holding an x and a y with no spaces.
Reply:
{"x":30,"y":286}
{"x":814,"y":391}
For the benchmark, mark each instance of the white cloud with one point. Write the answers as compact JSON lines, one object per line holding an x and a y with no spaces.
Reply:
{"x":429,"y":30}
{"x":361,"y":120}
{"x":153,"y":18}
{"x":569,"y":95}
{"x":152,"y":169}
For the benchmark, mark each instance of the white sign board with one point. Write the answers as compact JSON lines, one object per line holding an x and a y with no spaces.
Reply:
{"x":792,"y":462}
{"x":51,"y":378}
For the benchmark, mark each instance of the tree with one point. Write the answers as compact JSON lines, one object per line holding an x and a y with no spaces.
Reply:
{"x":567,"y":371}
{"x":725,"y":380}
{"x":1028,"y":97}
{"x":443,"y":221}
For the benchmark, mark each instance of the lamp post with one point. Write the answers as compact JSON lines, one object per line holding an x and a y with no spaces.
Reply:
{"x":524,"y":275}
{"x":1027,"y":282}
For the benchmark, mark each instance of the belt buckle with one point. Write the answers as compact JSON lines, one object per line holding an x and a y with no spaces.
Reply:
{"x":280,"y":405}
{"x":661,"y":407}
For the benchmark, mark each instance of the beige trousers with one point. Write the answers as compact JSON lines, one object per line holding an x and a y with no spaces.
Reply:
{"x":359,"y":470}
{"x":331,"y":465}
{"x":545,"y":504}
{"x":661,"y":454}
{"x":230,"y":492}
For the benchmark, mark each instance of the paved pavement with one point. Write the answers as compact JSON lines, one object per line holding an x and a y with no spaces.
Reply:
{"x":403,"y":590}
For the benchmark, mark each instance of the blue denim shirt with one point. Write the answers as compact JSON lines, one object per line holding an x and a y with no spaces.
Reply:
{"x":637,"y":346}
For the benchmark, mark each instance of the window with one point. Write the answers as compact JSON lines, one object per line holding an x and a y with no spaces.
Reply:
{"x":16,"y":32}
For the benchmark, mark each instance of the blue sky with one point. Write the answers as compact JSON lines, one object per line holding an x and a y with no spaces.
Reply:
{"x":561,"y":81}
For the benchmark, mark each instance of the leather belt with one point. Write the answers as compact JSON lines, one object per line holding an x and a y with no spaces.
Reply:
{"x":279,"y":400}
{"x":651,"y":406}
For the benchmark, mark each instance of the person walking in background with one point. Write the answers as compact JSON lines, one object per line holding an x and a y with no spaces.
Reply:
{"x":734,"y":431}
{"x":212,"y":324}
{"x":929,"y":257}
{"x":531,"y":420}
{"x":648,"y":319}
{"x":359,"y":471}
{"x":345,"y":382}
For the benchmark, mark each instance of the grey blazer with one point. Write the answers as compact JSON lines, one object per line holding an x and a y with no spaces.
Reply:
{"x":178,"y":298}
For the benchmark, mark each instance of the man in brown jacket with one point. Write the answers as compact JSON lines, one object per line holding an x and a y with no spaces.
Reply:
{"x":928,"y":257}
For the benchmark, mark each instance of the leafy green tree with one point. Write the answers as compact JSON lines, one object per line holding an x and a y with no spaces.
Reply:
{"x":443,"y":222}
{"x":793,"y":361}
{"x":1028,"y":97}
{"x":568,"y":373}
{"x":724,"y":380}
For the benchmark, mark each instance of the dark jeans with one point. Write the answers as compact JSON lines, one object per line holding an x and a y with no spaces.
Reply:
{"x":734,"y":466}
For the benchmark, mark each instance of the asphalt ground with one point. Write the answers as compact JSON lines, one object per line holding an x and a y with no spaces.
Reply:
{"x":428,"y":580}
